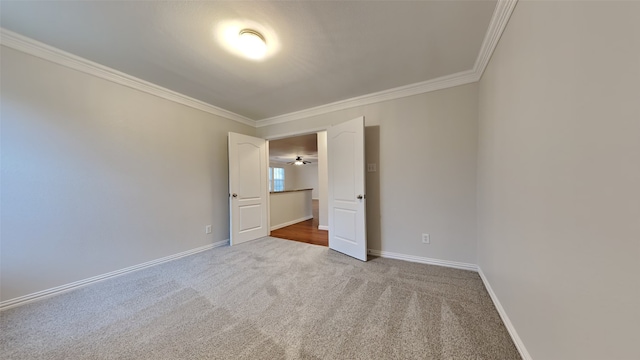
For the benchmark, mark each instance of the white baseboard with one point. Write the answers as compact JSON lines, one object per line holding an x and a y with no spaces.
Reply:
{"x":276,"y":227}
{"x":323,"y":227}
{"x":424,"y":260}
{"x":505,"y":318}
{"x":458,"y":265}
{"x":74,"y":285}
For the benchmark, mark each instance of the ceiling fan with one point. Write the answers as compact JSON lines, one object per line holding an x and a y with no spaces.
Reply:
{"x":299,"y":161}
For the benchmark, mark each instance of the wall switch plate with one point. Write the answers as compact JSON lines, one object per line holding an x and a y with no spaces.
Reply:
{"x":207,"y":229}
{"x":426,"y":239}
{"x":371,"y":167}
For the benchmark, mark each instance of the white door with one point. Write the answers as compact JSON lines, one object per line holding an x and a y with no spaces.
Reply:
{"x":347,"y":230}
{"x":248,"y":188}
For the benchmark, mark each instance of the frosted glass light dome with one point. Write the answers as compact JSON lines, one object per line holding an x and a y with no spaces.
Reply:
{"x":252,"y":44}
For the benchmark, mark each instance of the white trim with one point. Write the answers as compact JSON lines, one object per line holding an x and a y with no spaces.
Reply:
{"x":505,"y":318}
{"x":323,"y":227}
{"x":276,"y":227}
{"x":298,"y":133}
{"x":424,"y":260}
{"x":458,"y":265}
{"x":498,"y":23}
{"x":444,"y":82}
{"x":60,"y":57}
{"x":499,"y":20}
{"x":81,"y":283}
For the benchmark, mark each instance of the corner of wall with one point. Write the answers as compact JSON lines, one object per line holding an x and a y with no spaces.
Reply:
{"x":505,"y":318}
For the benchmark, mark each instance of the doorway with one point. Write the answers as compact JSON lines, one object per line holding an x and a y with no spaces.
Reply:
{"x":305,"y":231}
{"x":296,"y":165}
{"x":250,"y":201}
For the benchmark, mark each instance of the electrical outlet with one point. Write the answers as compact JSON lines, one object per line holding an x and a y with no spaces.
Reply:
{"x":426,"y":239}
{"x":372,"y":167}
{"x":207,"y":229}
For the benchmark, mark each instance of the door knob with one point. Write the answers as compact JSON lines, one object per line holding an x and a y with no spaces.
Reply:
{"x":360,"y":197}
{"x":234,"y":195}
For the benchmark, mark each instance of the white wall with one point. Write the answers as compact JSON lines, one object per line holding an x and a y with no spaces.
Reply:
{"x":559,"y":178}
{"x":299,"y":177}
{"x":323,"y":181}
{"x":97,"y":177}
{"x":290,"y":174}
{"x":290,"y":207}
{"x":425,"y":148}
{"x":307,"y":178}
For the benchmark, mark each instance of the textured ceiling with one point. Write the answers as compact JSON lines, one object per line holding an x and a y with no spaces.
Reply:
{"x":325,"y":51}
{"x":285,"y":150}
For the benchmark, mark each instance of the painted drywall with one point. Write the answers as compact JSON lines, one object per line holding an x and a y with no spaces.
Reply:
{"x":289,"y":207}
{"x":299,"y":177}
{"x":307,"y":178}
{"x":97,"y":176}
{"x":425,"y":150}
{"x":323,"y":181}
{"x":559,"y":178}
{"x":290,"y":174}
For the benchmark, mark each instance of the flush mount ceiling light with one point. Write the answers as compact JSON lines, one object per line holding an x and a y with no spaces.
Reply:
{"x":247,"y":38}
{"x":252,"y":44}
{"x":299,"y":161}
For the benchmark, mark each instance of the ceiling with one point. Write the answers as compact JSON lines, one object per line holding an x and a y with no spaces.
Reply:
{"x":320,"y":51}
{"x":286,"y":150}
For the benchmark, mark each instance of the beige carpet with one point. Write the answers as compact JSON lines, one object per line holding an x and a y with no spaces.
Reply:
{"x":267,"y":299}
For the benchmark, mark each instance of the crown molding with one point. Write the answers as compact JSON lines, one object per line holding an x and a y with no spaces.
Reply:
{"x":499,"y":20}
{"x":60,"y":57}
{"x":498,"y":23}
{"x":444,"y":82}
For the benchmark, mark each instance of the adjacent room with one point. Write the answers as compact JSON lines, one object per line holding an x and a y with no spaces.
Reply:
{"x":294,"y":190}
{"x":469,"y":170}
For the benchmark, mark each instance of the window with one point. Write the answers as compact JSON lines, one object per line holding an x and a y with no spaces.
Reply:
{"x":276,"y":179}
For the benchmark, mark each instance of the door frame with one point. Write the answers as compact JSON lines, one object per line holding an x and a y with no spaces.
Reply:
{"x":284,"y":136}
{"x":316,"y":130}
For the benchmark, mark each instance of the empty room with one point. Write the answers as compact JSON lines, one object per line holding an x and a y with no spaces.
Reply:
{"x":474,"y":170}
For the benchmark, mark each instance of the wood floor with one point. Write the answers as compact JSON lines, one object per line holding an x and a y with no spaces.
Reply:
{"x":305,"y":231}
